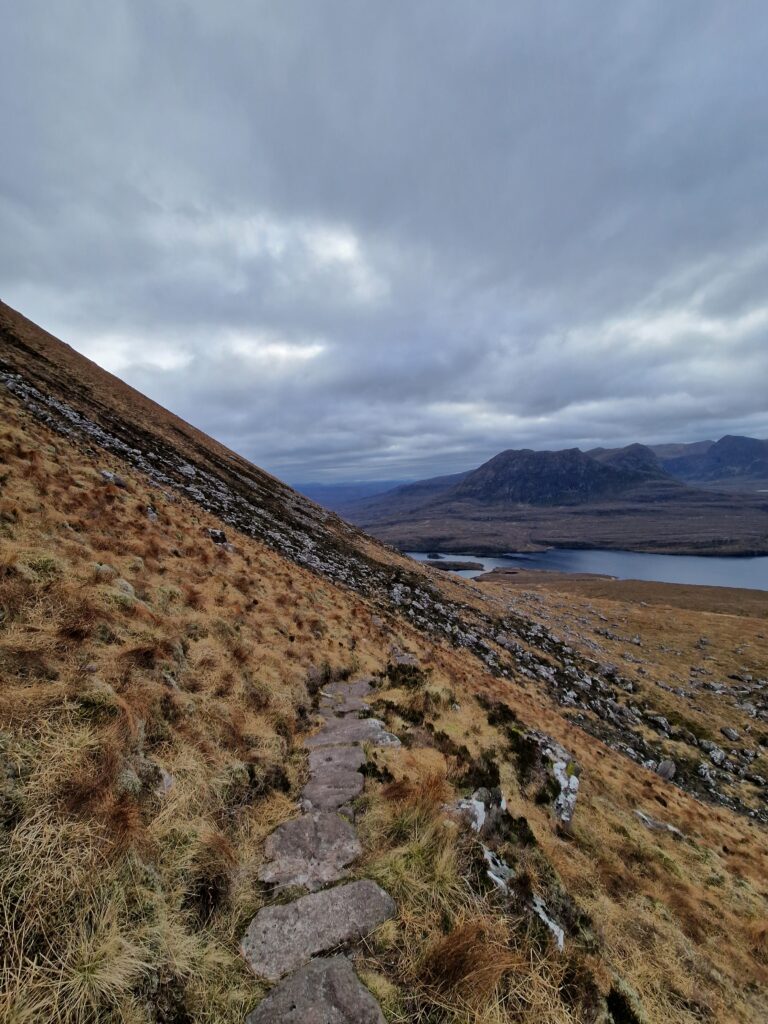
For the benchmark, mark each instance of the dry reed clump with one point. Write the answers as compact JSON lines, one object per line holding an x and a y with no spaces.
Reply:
{"x":146,"y":750}
{"x":454,"y":954}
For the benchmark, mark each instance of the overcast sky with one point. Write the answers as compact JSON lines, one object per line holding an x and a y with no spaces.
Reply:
{"x":357,"y":239}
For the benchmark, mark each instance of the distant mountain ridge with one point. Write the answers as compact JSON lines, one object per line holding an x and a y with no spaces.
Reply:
{"x":679,"y":498}
{"x":731,"y":459}
{"x":727,"y":464}
{"x":568,"y":477}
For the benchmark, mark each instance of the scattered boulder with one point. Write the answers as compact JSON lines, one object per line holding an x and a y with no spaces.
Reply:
{"x":540,"y":755}
{"x":657,"y":826}
{"x":730,"y":733}
{"x":403,"y":659}
{"x":113,"y":478}
{"x":217,"y":536}
{"x":660,"y":723}
{"x":104,"y":571}
{"x":540,"y":910}
{"x":666,"y":769}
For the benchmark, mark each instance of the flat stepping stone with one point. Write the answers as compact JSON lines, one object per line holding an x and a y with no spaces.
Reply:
{"x":329,"y":706}
{"x":357,"y":688}
{"x":330,"y":788}
{"x":282,"y":938}
{"x":326,"y":991}
{"x":310,"y":851}
{"x":350,"y":758}
{"x":353,"y":730}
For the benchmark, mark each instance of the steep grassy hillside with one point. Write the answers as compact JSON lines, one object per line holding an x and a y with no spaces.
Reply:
{"x":157,"y":677}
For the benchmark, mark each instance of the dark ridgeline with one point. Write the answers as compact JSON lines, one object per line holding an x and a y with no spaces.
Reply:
{"x":672,"y":499}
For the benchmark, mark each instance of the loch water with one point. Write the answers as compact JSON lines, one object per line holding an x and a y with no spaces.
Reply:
{"x":715,"y":571}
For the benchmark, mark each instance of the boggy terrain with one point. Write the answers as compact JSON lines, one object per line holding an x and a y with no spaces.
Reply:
{"x":172,"y":623}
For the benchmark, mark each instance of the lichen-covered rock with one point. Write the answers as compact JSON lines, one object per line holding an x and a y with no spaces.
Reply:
{"x":326,"y":991}
{"x":657,"y":826}
{"x":310,"y":851}
{"x":331,"y":789}
{"x":344,"y":731}
{"x":558,"y":764}
{"x":279,"y":939}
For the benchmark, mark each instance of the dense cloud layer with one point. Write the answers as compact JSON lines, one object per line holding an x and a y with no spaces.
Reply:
{"x":376,"y":240}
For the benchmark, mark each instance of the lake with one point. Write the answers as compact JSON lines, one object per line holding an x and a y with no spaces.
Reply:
{"x":750,"y":573}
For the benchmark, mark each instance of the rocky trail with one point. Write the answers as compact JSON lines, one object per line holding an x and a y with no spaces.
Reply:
{"x":314,"y":852}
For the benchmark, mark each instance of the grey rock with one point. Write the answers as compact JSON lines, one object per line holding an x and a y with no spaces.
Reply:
{"x":113,"y":478}
{"x":282,"y":938}
{"x":350,"y":758}
{"x":217,"y":536}
{"x":166,"y":783}
{"x":357,"y":688}
{"x":331,"y":705}
{"x":125,"y":587}
{"x":666,"y":769}
{"x":717,"y":755}
{"x":331,"y":789}
{"x":353,"y":730}
{"x":553,"y":760}
{"x":326,"y":991}
{"x":310,"y":851}
{"x":730,"y":734}
{"x":704,"y":772}
{"x":403,"y":658}
{"x":658,"y":826}
{"x":104,"y":571}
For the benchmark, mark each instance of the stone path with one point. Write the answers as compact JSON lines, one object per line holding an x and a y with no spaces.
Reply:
{"x":312,"y":852}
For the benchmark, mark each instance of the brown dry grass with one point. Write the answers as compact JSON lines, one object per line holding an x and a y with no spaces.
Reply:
{"x":119,"y":897}
{"x":148,"y":721}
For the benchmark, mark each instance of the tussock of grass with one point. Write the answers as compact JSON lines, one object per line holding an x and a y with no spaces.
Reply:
{"x":453,"y":954}
{"x":147,"y":748}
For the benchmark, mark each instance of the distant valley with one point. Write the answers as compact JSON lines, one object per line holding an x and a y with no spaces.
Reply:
{"x":707,"y":497}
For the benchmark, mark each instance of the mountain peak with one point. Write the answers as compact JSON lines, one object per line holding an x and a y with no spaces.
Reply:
{"x":566,"y":477}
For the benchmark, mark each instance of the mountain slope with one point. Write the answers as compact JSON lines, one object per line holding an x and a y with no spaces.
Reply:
{"x":159,"y":679}
{"x":737,"y":460}
{"x":636,"y":459}
{"x":527,"y":500}
{"x":559,"y":478}
{"x":336,"y":496}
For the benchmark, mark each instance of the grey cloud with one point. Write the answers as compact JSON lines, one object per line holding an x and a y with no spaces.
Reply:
{"x":361,"y":240}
